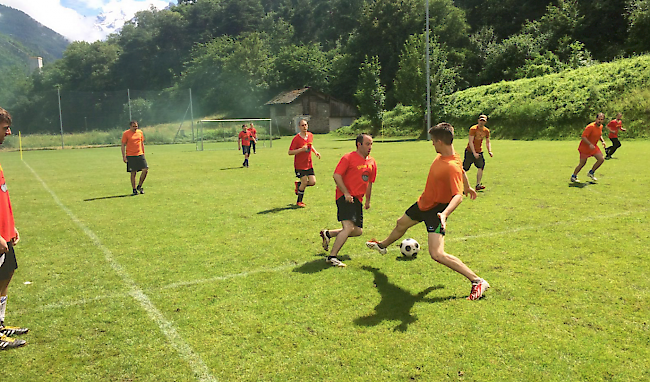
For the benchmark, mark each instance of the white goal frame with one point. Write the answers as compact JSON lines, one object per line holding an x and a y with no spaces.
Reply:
{"x":199,"y":140}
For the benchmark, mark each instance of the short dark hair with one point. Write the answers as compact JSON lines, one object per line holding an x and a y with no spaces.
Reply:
{"x":359,"y":140}
{"x":5,"y":117}
{"x":133,"y":123}
{"x":244,"y":125}
{"x":442,"y":132}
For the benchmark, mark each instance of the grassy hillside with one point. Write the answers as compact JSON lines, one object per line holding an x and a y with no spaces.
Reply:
{"x":559,"y":105}
{"x":37,"y":38}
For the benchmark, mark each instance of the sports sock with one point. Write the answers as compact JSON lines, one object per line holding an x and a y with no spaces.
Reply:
{"x":301,"y":194}
{"x":3,"y":307}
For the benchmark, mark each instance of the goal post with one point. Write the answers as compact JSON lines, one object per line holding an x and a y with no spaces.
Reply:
{"x":227,"y":130}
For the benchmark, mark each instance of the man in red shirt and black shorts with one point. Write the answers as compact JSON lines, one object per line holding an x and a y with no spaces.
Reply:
{"x":9,"y":237}
{"x":244,"y":144}
{"x":301,"y":147}
{"x":614,"y":126}
{"x":354,"y":176}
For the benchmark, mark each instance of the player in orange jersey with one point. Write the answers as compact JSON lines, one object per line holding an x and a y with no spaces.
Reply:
{"x":474,"y":150}
{"x":443,"y":192}
{"x":9,"y":237}
{"x":253,"y":134}
{"x":133,"y":155}
{"x":614,"y":126}
{"x":354,"y":176}
{"x":588,"y":147}
{"x":301,"y":147}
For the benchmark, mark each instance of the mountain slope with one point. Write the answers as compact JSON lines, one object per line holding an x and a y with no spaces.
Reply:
{"x":38,"y":39}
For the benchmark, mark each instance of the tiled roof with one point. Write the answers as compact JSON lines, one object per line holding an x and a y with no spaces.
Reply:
{"x":287,"y":97}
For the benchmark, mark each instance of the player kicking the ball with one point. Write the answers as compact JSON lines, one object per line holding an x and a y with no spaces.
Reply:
{"x":354,"y":176}
{"x":443,"y":192}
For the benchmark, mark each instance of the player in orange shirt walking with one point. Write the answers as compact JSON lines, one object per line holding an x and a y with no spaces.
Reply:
{"x":301,"y":147}
{"x":474,"y":150}
{"x":614,"y":126}
{"x":244,"y":144}
{"x":443,"y":192}
{"x":133,"y":155}
{"x":252,"y":132}
{"x":588,"y":147}
{"x":354,"y":176}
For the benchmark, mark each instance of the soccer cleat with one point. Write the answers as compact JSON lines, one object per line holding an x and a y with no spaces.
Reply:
{"x":140,"y":189}
{"x":478,"y":288}
{"x":373,"y":244}
{"x":135,"y":192}
{"x":479,"y":187}
{"x":592,"y":176}
{"x":301,"y":204}
{"x":297,"y":187}
{"x":7,"y":342}
{"x":326,"y":240}
{"x":336,"y":262}
{"x":11,"y":330}
{"x":574,"y":179}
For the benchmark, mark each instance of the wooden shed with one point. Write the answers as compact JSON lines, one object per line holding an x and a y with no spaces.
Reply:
{"x":324,"y":113}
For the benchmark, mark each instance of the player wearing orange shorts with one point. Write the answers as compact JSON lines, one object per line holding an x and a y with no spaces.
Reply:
{"x":588,"y":147}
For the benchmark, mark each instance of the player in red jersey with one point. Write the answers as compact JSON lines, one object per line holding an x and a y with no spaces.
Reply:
{"x":354,"y":176}
{"x":253,"y":134}
{"x":9,"y":237}
{"x":133,"y":155}
{"x":244,"y":144}
{"x":443,"y":192}
{"x":614,"y":126}
{"x":588,"y":148}
{"x":301,"y":148}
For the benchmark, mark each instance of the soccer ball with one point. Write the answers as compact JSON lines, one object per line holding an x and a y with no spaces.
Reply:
{"x":409,"y":247}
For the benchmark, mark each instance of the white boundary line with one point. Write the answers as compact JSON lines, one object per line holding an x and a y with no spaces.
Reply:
{"x":199,"y":368}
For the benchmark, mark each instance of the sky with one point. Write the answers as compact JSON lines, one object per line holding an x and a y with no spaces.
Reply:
{"x":75,"y":19}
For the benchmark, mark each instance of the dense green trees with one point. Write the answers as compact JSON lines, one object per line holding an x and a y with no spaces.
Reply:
{"x":237,"y":54}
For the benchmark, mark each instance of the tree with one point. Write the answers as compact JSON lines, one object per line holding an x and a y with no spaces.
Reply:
{"x":638,"y":16}
{"x":303,"y":65}
{"x":370,"y":93}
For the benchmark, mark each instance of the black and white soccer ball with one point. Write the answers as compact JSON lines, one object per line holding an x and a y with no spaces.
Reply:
{"x":409,"y":247}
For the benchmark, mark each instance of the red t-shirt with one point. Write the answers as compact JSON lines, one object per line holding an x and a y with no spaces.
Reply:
{"x":7,"y":227}
{"x":445,"y":181}
{"x":357,"y":172}
{"x":302,"y":161}
{"x":593,"y":134}
{"x":252,"y":132}
{"x":245,"y":138}
{"x":614,"y":127}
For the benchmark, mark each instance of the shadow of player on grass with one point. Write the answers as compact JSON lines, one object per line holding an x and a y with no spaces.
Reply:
{"x":396,"y":303}
{"x":581,"y":185}
{"x":107,"y":197}
{"x":317,"y":265}
{"x":279,"y":209}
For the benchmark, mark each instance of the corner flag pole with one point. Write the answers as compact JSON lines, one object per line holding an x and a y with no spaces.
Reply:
{"x":428,"y":74}
{"x":20,"y":145}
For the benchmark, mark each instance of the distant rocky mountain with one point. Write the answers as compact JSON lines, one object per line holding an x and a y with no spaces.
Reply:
{"x":22,"y":37}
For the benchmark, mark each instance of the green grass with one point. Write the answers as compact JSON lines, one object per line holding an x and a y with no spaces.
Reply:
{"x":239,"y":274}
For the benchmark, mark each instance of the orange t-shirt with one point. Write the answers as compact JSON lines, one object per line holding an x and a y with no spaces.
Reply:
{"x":445,"y":181}
{"x":479,"y":135}
{"x":7,"y":227}
{"x":134,"y":142}
{"x":357,"y":173}
{"x":614,"y":127}
{"x":252,"y":132}
{"x":593,"y":134}
{"x":302,"y":161}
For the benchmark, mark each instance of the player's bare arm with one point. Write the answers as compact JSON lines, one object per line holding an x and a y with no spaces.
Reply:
{"x":124,"y":152}
{"x":467,"y":189}
{"x":315,"y":152}
{"x":338,"y":179}
{"x":368,"y":195}
{"x":16,"y":238}
{"x":471,"y":146}
{"x":455,"y":202}
{"x":489,"y":146}
{"x":585,"y":140}
{"x":4,"y":248}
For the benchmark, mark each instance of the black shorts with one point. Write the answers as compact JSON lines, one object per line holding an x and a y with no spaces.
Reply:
{"x":301,"y":173}
{"x":469,"y":160}
{"x":349,"y":211}
{"x":430,"y":217}
{"x":8,"y":263}
{"x":246,"y":150}
{"x":136,"y":163}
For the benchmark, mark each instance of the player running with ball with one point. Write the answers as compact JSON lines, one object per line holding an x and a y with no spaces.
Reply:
{"x":443,"y":192}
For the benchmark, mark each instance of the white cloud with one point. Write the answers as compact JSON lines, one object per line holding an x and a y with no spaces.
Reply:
{"x":72,"y":24}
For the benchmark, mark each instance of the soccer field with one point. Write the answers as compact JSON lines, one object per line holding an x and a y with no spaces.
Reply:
{"x":213,"y":275}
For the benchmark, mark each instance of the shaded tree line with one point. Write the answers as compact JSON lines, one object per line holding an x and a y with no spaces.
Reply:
{"x":237,"y":54}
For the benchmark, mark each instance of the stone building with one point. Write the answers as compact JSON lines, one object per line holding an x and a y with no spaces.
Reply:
{"x":324,"y":113}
